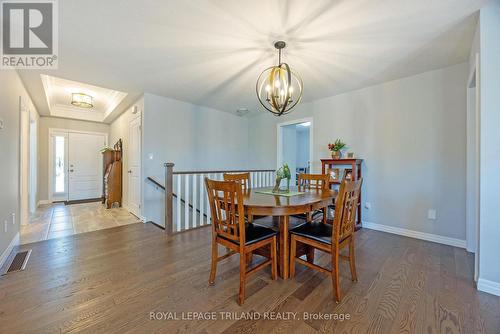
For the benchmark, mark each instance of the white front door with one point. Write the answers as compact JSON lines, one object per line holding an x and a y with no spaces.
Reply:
{"x":134,"y":167}
{"x":85,"y":165}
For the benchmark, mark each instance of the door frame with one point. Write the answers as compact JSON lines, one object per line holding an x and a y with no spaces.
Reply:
{"x":473,"y":180}
{"x":52,"y":131}
{"x":33,"y":164}
{"x":279,"y":134}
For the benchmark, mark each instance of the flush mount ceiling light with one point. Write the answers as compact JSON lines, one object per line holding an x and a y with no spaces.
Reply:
{"x":279,"y":89}
{"x":81,"y":100}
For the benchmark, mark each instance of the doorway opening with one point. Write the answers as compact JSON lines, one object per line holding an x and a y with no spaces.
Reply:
{"x":295,"y":146}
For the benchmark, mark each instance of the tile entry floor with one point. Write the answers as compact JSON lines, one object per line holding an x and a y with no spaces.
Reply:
{"x":59,"y":220}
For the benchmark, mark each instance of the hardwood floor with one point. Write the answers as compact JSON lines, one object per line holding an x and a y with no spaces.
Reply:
{"x":109,"y":281}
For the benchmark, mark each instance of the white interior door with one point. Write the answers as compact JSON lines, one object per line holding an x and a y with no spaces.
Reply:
{"x":85,"y":165}
{"x":134,"y":167}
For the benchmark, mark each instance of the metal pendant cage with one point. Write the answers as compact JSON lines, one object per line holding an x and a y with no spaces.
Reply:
{"x":279,"y":89}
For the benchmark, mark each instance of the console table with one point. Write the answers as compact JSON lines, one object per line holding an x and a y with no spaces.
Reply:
{"x":356,"y":172}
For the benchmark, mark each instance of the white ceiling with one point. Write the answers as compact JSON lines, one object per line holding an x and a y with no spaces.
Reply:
{"x":211,"y":52}
{"x":58,"y":93}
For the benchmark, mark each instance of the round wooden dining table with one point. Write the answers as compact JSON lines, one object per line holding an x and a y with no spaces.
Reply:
{"x":260,"y":204}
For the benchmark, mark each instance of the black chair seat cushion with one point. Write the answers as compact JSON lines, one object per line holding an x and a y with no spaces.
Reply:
{"x":273,"y":223}
{"x":316,"y":230}
{"x":255,"y":233}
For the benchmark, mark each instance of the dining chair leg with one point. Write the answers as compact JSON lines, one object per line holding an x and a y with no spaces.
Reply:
{"x":243,"y":272}
{"x":310,"y":254}
{"x":274,"y":258}
{"x":249,"y":257}
{"x":336,"y":276}
{"x":352,"y":260}
{"x":213,"y":266}
{"x":293,"y":252}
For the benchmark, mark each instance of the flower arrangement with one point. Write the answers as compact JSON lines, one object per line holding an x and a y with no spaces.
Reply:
{"x":336,"y":148}
{"x":282,"y":173}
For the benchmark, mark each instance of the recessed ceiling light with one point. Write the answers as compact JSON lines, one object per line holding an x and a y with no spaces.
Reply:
{"x":81,"y":100}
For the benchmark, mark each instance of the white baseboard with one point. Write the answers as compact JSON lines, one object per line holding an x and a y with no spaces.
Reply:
{"x":13,"y":243}
{"x":416,"y":234}
{"x":126,"y":207}
{"x":488,"y":286}
{"x":43,"y":201}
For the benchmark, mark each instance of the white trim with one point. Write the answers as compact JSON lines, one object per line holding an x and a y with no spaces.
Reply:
{"x":488,"y":286}
{"x":126,"y":207}
{"x":43,"y":202}
{"x":416,"y":234}
{"x":13,"y":243}
{"x":279,"y":139}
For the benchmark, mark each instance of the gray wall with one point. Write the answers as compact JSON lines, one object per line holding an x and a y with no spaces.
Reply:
{"x":489,"y":247}
{"x":45,"y":123}
{"x":191,"y":136}
{"x":11,"y":89}
{"x":411,"y":133}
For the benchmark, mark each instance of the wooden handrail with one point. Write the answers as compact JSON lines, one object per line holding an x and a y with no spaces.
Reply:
{"x":158,"y":184}
{"x":223,"y":171}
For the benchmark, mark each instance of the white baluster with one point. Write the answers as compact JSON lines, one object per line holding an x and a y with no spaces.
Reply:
{"x":195,"y":199}
{"x":209,"y":213}
{"x":186,"y":202}
{"x":202,"y":198}
{"x":178,"y":206}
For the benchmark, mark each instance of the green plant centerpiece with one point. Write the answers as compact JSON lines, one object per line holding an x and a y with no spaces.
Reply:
{"x":282,"y":173}
{"x":336,"y":148}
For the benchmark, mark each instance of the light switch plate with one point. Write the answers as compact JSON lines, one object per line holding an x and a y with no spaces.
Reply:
{"x":431,"y":214}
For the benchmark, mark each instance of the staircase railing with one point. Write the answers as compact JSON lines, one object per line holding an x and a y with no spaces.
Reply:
{"x":187,"y":207}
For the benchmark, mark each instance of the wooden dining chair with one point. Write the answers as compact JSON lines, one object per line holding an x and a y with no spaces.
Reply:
{"x":331,"y":238}
{"x":243,"y":178}
{"x":229,"y":230}
{"x":313,"y":182}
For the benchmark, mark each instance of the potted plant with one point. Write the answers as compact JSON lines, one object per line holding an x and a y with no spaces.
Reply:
{"x":336,"y":148}
{"x":282,"y":173}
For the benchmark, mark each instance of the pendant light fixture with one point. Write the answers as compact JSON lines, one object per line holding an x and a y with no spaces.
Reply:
{"x":279,"y":89}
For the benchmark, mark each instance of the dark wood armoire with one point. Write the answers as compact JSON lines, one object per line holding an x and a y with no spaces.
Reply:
{"x":112,"y":181}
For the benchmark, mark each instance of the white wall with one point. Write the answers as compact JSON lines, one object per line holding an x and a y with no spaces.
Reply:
{"x":47,"y":123}
{"x":489,"y":247}
{"x":411,"y":133}
{"x":303,"y":148}
{"x":119,"y":129}
{"x":193,"y":137}
{"x":12,"y":89}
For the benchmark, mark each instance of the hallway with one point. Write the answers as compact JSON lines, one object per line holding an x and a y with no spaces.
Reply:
{"x":59,"y":220}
